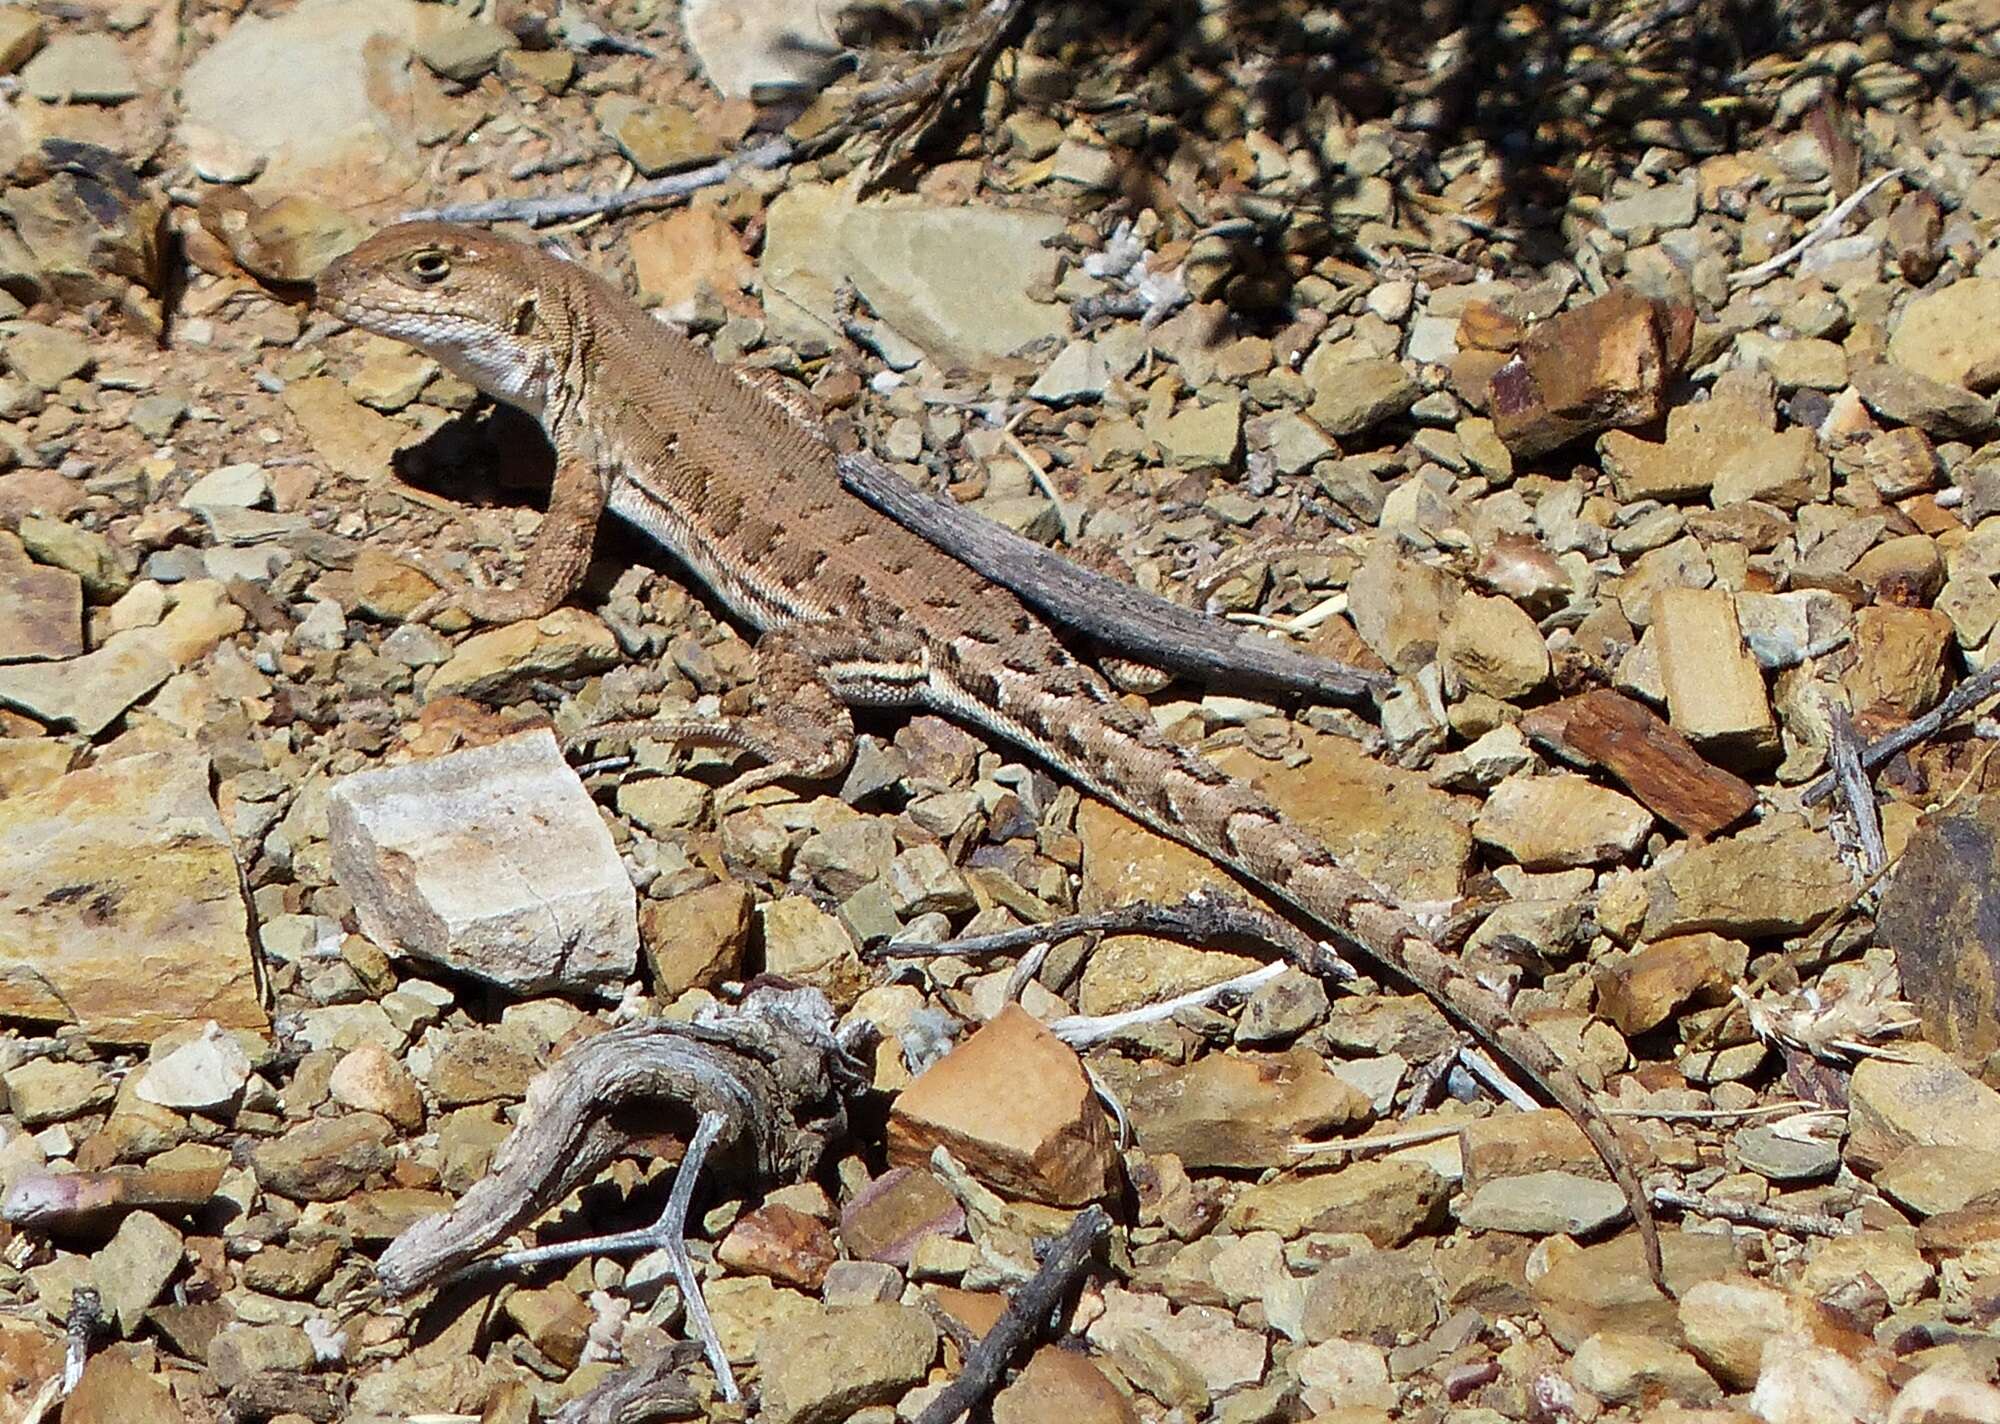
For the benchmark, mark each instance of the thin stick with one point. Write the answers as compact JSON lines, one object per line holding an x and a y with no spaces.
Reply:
{"x":1482,"y":1067}
{"x":1714,"y":1114}
{"x":563,"y":206}
{"x":1798,"y":1223}
{"x":1826,"y":227}
{"x":1027,"y":1315}
{"x":1843,"y":748}
{"x":1962,"y":699}
{"x":1387,"y":1141}
{"x":1198,"y":919}
{"x":1083,"y":1030}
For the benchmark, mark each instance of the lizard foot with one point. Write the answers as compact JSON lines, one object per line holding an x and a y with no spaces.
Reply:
{"x":484,"y":605}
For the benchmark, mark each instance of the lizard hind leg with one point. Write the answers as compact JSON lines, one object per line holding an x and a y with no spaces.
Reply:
{"x":798,"y":727}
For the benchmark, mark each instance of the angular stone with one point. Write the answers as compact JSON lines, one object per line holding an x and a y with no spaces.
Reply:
{"x":1641,"y":990}
{"x":492,"y":861}
{"x":116,"y":1388}
{"x":696,"y":940}
{"x":66,"y":1202}
{"x":1606,"y":1287}
{"x":1350,"y":396}
{"x":489,"y":666}
{"x":1902,"y":657}
{"x":805,"y":944}
{"x":1204,"y":437}
{"x":1715,"y":690}
{"x":1944,"y":411}
{"x":1495,"y":648}
{"x":743,"y":46}
{"x":121,"y":904}
{"x":1654,"y":762}
{"x":43,"y":1090}
{"x":1771,"y":880}
{"x":1927,"y":1101}
{"x":1240,"y":1110}
{"x":1727,"y":1321}
{"x":777,"y":1241}
{"x":821,"y":1367}
{"x":887,"y":1219}
{"x":1952,"y":335}
{"x":201,"y":1075}
{"x":1199,"y":1349}
{"x":1602,"y":365}
{"x":1014,"y":1105}
{"x":135,"y":1266}
{"x":955,"y":280}
{"x":1629,"y":1369}
{"x":324,"y":1159}
{"x":369,"y":1078}
{"x":1543,"y":1203}
{"x":685,"y":258}
{"x":1401,"y":608}
{"x":464,"y":51}
{"x":1061,"y":1384}
{"x":1937,"y":913}
{"x":1549,"y":822}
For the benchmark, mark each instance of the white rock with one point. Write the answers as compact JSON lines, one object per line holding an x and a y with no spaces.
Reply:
{"x":199,"y":1076}
{"x":493,"y":862}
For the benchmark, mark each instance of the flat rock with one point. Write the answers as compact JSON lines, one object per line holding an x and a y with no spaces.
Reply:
{"x":1639,"y":991}
{"x":744,"y":46}
{"x":819,"y":1367}
{"x":1767,"y":881}
{"x":1543,"y":1203}
{"x":91,"y":692}
{"x":41,"y":613}
{"x":1239,"y":1110}
{"x":1952,"y":335}
{"x":1937,"y":914}
{"x":353,"y":129}
{"x":1401,"y":608}
{"x":81,"y":69}
{"x":1928,"y":1101}
{"x":493,"y":664}
{"x":1013,"y":1103}
{"x":1384,"y":822}
{"x":491,"y":861}
{"x":121,"y":904}
{"x":1374,"y":1295}
{"x":1386,"y":1201}
{"x":687,"y":258}
{"x":1726,"y":1322}
{"x":1548,"y":822}
{"x":956,"y":280}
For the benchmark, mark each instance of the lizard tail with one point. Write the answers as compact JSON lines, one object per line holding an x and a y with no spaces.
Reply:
{"x":1068,"y":714}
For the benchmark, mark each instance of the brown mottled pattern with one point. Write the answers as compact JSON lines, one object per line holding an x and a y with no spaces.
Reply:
{"x":725,"y":475}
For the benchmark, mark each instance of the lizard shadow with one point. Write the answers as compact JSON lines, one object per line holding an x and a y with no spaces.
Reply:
{"x":491,"y":456}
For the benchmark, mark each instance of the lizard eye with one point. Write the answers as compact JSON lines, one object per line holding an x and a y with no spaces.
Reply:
{"x":430,"y":265}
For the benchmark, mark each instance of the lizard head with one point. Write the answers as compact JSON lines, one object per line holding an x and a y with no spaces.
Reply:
{"x":471,"y":300}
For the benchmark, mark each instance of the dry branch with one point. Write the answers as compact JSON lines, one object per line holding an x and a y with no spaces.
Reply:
{"x":770,"y":1068}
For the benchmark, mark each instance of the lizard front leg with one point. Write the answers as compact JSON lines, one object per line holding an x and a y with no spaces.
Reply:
{"x":556,"y":559}
{"x":798,"y":724}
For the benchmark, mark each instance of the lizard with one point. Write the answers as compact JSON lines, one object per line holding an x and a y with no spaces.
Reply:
{"x":849,"y":607}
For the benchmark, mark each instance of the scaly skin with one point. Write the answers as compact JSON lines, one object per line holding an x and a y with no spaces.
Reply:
{"x":852,"y":607}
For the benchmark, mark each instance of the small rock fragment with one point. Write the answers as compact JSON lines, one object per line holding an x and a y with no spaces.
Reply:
{"x":1549,"y":822}
{"x":820,"y":1367}
{"x":1715,"y":690}
{"x":1012,"y":1102}
{"x":1602,"y":365}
